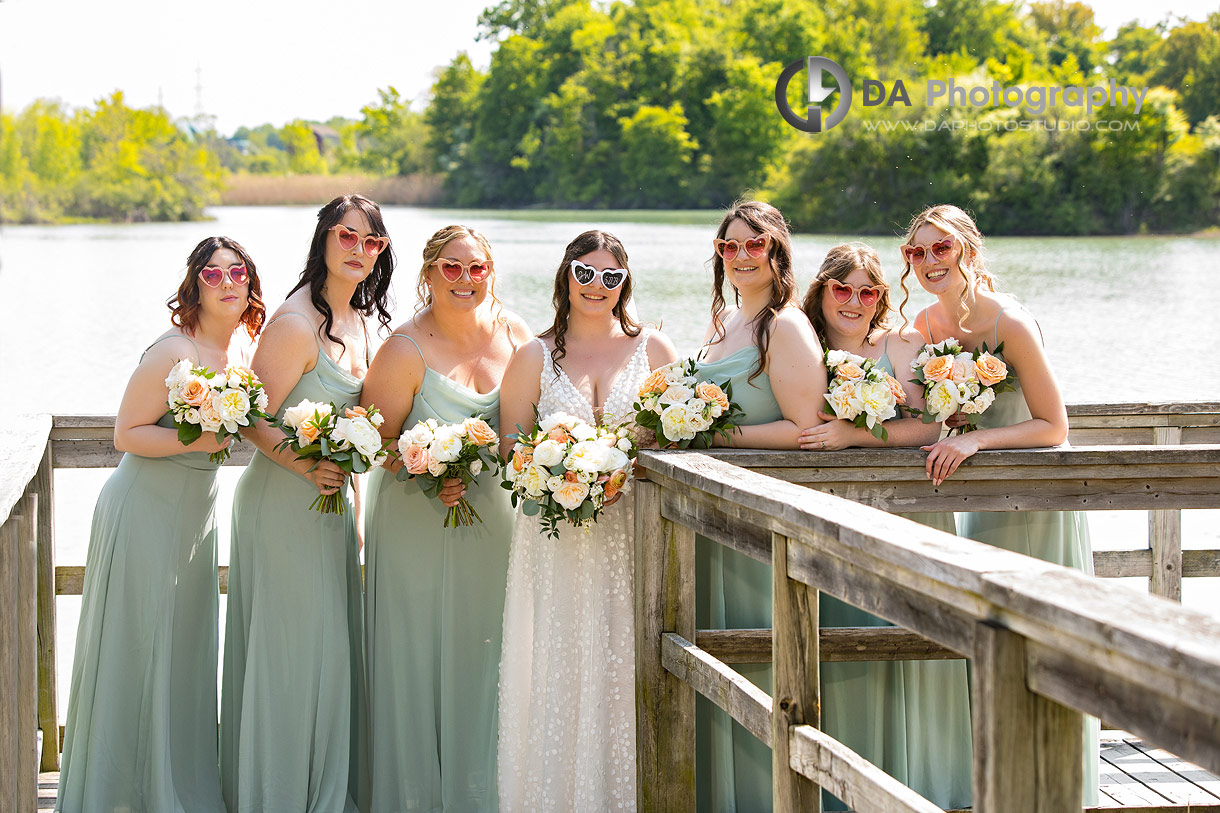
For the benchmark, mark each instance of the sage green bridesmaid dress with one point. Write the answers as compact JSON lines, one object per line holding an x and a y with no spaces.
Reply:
{"x":293,"y":689}
{"x":141,"y":724}
{"x":911,"y":718}
{"x":434,"y":606}
{"x":1061,"y":537}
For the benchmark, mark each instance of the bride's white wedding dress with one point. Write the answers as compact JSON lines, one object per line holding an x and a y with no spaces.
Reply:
{"x":567,"y":673}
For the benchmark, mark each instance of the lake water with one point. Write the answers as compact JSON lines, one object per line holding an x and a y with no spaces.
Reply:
{"x":1125,"y":318}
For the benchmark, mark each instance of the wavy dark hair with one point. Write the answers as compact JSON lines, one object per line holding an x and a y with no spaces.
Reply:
{"x":763,"y":218}
{"x":840,"y":261}
{"x":587,"y":243}
{"x":372,"y":295}
{"x":184,"y":304}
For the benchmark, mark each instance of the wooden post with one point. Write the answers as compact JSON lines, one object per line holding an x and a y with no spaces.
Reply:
{"x":18,"y":657}
{"x":1027,"y":749}
{"x":1165,"y":534}
{"x":794,"y":652}
{"x":665,"y":706}
{"x":48,"y":685}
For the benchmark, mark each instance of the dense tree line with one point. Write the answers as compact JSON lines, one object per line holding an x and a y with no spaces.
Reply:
{"x":669,"y":104}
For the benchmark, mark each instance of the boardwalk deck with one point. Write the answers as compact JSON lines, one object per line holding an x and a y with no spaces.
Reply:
{"x":1134,"y":777}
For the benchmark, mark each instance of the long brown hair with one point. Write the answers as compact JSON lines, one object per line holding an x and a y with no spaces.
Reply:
{"x":840,"y":261}
{"x":763,"y":218}
{"x":184,"y":304}
{"x":587,"y":243}
{"x":970,"y":261}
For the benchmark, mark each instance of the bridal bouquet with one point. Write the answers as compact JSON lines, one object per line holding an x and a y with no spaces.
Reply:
{"x":222,"y":402}
{"x":565,"y":468}
{"x":684,"y":411}
{"x":862,"y":392}
{"x":955,"y":381}
{"x":318,"y":431}
{"x":434,"y":452}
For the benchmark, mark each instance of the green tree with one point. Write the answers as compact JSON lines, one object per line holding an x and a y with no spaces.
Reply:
{"x":390,"y":139}
{"x":1070,"y":32}
{"x":1189,"y":62}
{"x":656,"y":156}
{"x":450,"y":113}
{"x":304,"y":157}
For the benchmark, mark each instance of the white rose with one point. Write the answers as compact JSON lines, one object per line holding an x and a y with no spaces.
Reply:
{"x":984,"y":400}
{"x":437,"y":467}
{"x":191,"y":415}
{"x":677,"y":394}
{"x":587,"y":456}
{"x":551,"y":421}
{"x":616,"y":459}
{"x":178,"y":374}
{"x":582,"y":431}
{"x":943,"y":400}
{"x":418,"y":435}
{"x":571,"y":495}
{"x":878,"y":401}
{"x":209,"y":418}
{"x":359,"y":433}
{"x":295,"y":416}
{"x":377,"y":420}
{"x":232,"y":405}
{"x":675,"y":421}
{"x":548,"y":453}
{"x":836,"y":357}
{"x":476,"y":466}
{"x":534,"y":480}
{"x":446,"y":445}
{"x":623,"y":445}
{"x":967,"y":390}
{"x":674,"y":373}
{"x":845,"y":400}
{"x":920,"y":360}
{"x":261,"y":401}
{"x":698,"y":421}
{"x":554,"y":483}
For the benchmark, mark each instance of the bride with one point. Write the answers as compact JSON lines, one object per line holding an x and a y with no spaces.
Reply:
{"x":567,"y":673}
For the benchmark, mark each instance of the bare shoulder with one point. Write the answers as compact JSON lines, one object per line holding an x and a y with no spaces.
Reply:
{"x":907,"y":338}
{"x":528,"y":356}
{"x":660,"y":349}
{"x":167,"y":350}
{"x":1015,"y":324}
{"x":518,"y":330}
{"x":791,"y":324}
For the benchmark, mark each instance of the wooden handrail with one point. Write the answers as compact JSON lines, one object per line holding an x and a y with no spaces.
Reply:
{"x":1067,"y":642}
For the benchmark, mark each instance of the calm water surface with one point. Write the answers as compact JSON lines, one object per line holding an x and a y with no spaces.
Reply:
{"x":78,"y":304}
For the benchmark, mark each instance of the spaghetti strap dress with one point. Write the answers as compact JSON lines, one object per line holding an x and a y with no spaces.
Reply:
{"x":434,"y":604}
{"x":733,"y":591}
{"x":293,"y":709}
{"x":1061,"y":537}
{"x":141,"y":724}
{"x":909,"y":718}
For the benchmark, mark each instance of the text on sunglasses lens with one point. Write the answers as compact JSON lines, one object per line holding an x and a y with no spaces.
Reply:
{"x":372,"y":245}
{"x":213,"y":276}
{"x":611,"y":278}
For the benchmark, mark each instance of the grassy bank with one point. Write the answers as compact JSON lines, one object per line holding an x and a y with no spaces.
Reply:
{"x":243,"y":189}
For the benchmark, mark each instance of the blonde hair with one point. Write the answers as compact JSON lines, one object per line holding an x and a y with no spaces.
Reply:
{"x":840,"y":261}
{"x":971,"y":263}
{"x":432,"y":252}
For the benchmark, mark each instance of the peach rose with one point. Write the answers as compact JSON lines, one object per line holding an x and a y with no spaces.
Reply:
{"x":416,"y":459}
{"x":900,"y":395}
{"x":356,"y":412}
{"x":308,"y":432}
{"x":654,"y":384}
{"x":963,"y":369}
{"x":615,"y":484}
{"x":711,"y":393}
{"x":195,"y":392}
{"x":559,"y":435}
{"x":480,"y":432}
{"x":849,"y":371}
{"x":570,"y":495}
{"x":990,"y":369}
{"x":939,"y":368}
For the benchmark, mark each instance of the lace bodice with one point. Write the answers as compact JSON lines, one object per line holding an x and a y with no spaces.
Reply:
{"x":559,"y":394}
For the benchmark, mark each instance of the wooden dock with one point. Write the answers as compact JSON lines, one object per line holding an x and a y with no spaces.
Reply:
{"x":1134,"y":776}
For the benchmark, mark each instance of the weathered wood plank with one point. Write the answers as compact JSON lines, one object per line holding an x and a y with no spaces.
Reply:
{"x":1152,"y":774}
{"x":101,"y":454}
{"x":1113,"y":564}
{"x":19,"y":654}
{"x":70,"y":579}
{"x":1187,"y":770}
{"x":796,"y":699}
{"x":665,"y":706}
{"x":1028,"y":749}
{"x":1064,"y":457}
{"x":1139,"y":408}
{"x":23,"y":438}
{"x":43,"y":485}
{"x":707,"y":518}
{"x":850,"y":777}
{"x":1165,"y":536}
{"x":836,"y":645}
{"x":1126,"y":790}
{"x":737,"y":696}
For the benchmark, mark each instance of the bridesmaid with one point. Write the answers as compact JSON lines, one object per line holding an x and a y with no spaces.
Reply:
{"x":292,"y":696}
{"x":943,"y":248}
{"x":141,"y":728}
{"x":434,"y":596}
{"x":910,"y":718}
{"x":768,"y":351}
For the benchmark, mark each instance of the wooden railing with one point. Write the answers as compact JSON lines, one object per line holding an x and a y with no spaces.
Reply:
{"x":1047,"y":643}
{"x":33,"y":446}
